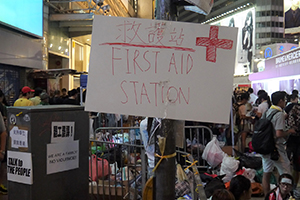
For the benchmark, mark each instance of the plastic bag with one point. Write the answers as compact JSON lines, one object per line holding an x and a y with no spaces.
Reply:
{"x":212,"y":153}
{"x":99,"y":169}
{"x":229,"y":166}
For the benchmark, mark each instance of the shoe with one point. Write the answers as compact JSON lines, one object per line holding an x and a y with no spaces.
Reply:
{"x":3,"y":189}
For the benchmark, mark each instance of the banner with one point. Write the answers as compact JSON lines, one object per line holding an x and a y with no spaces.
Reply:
{"x":245,"y":21}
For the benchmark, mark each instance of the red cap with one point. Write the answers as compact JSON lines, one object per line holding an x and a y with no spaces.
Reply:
{"x":26,"y":89}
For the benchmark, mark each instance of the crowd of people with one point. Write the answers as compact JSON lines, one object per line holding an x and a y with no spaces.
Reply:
{"x":240,"y":189}
{"x":30,"y":97}
{"x":247,"y":109}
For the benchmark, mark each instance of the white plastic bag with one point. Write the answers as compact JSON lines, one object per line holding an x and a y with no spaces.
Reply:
{"x":212,"y":153}
{"x":229,"y":166}
{"x":114,"y":168}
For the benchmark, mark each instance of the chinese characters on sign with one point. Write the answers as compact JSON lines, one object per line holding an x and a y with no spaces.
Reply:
{"x":63,"y":151}
{"x":18,"y":137}
{"x":62,"y":131}
{"x":161,"y":68}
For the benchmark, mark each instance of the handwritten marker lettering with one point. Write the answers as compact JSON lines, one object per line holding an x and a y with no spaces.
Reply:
{"x":212,"y":43}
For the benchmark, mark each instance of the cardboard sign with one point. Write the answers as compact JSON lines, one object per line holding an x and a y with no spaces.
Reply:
{"x":161,"y":69}
{"x":62,"y":156}
{"x":19,"y":167}
{"x":19,"y":137}
{"x":62,"y":132}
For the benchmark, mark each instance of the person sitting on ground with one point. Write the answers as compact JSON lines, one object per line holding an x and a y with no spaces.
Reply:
{"x":240,"y":187}
{"x":24,"y":100}
{"x":36,"y":99}
{"x":284,"y":189}
{"x":222,"y":194}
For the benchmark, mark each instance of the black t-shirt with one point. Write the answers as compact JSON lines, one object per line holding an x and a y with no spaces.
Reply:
{"x":71,"y":101}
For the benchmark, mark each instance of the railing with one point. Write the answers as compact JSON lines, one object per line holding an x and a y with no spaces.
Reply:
{"x":122,"y":148}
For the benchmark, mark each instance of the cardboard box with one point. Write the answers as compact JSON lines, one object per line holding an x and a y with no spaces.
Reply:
{"x":228,"y":149}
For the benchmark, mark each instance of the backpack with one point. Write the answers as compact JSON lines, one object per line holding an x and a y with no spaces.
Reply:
{"x":263,"y":135}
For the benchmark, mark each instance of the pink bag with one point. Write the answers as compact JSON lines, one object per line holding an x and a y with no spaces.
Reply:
{"x":102,"y":165}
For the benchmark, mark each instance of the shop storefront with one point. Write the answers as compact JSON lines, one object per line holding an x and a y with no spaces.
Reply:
{"x":282,"y":72}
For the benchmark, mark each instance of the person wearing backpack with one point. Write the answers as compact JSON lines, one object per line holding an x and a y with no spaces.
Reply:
{"x":280,"y":135}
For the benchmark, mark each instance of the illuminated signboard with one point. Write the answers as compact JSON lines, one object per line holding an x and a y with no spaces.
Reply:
{"x":276,"y":49}
{"x":23,"y":15}
{"x":268,"y":52}
{"x":245,"y":21}
{"x":291,"y":16}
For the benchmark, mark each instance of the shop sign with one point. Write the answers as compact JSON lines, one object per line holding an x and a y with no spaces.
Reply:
{"x":161,"y":69}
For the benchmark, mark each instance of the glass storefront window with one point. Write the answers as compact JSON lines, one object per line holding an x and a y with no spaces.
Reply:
{"x":58,"y":40}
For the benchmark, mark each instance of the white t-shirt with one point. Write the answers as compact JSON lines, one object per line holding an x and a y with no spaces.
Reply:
{"x":263,"y":107}
{"x":252,"y":98}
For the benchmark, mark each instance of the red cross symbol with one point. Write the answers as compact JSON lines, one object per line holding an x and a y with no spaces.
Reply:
{"x":212,"y":43}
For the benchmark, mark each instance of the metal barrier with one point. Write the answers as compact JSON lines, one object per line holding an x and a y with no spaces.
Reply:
{"x":120,"y":146}
{"x":196,"y":138}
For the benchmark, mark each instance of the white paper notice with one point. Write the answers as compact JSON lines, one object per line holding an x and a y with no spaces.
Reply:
{"x":62,"y":131}
{"x":19,"y":167}
{"x":62,"y":156}
{"x":18,"y":137}
{"x":159,"y":68}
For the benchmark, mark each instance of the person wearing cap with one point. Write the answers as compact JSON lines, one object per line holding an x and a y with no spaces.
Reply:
{"x":44,"y":99}
{"x":24,"y":100}
{"x":284,"y":189}
{"x":36,"y":100}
